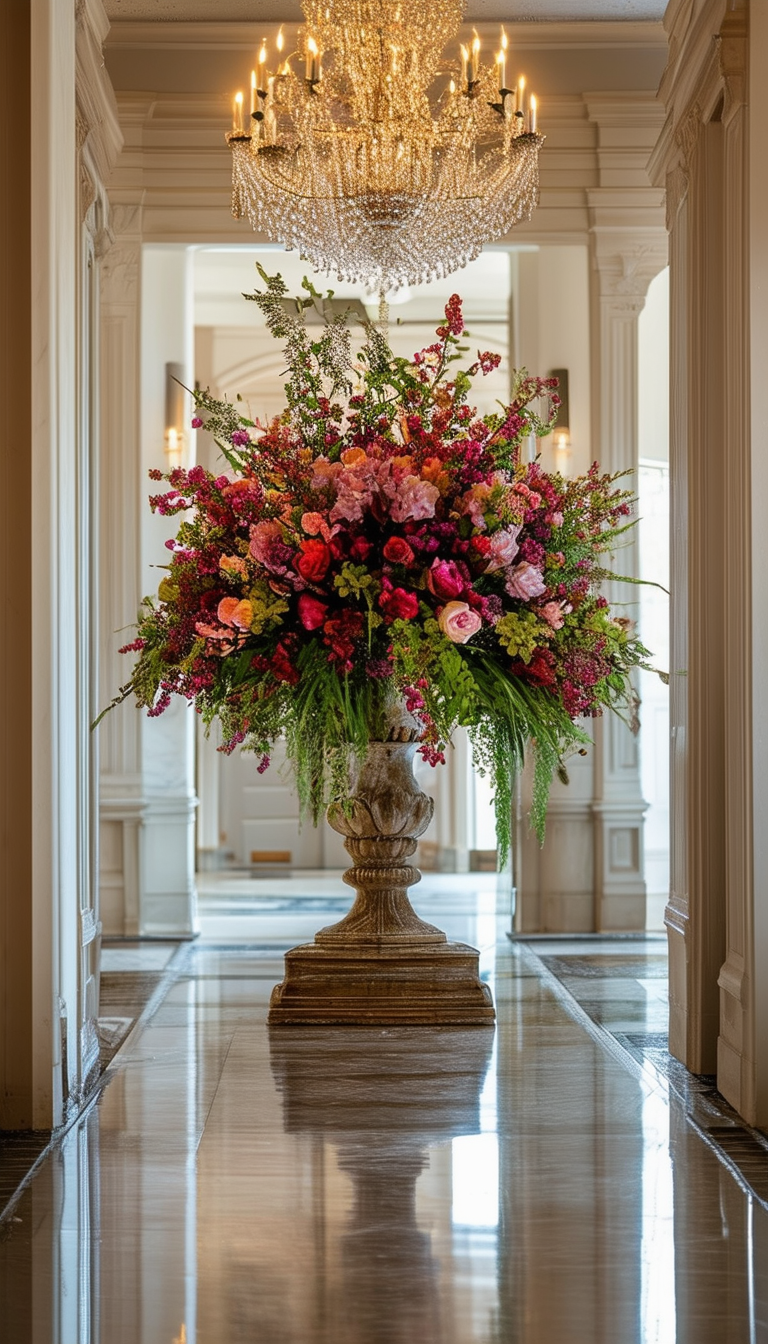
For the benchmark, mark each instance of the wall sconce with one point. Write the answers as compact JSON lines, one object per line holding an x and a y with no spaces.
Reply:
{"x":175,"y":404}
{"x":562,"y":430}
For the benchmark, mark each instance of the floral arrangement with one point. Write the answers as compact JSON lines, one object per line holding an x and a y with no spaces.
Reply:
{"x":380,"y":539}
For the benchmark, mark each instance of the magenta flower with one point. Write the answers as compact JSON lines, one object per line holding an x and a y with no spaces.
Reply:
{"x":446,"y":580}
{"x":312,"y":612}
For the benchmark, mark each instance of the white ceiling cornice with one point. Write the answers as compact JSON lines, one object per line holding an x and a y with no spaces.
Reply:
{"x":595,"y":35}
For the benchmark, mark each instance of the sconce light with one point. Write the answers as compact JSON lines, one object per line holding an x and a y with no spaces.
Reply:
{"x":562,"y":430}
{"x":174,"y":413}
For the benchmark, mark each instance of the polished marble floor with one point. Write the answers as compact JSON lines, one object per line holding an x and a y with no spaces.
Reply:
{"x":535,"y":1184}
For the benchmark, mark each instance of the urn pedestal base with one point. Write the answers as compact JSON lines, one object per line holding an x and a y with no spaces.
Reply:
{"x":382,"y":965}
{"x":436,"y":984}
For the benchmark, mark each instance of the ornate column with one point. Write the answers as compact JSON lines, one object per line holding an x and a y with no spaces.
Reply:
{"x":52,"y":226}
{"x":628,"y":245}
{"x":122,"y":804}
{"x":99,"y":141}
{"x":712,"y":156}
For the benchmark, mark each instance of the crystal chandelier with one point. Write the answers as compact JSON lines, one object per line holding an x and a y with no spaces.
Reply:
{"x":379,"y":160}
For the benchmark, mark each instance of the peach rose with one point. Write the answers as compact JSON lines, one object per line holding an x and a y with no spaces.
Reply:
{"x":458,"y":622}
{"x":238,"y":613}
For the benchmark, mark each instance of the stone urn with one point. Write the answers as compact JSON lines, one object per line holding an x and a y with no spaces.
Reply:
{"x":381,"y":964}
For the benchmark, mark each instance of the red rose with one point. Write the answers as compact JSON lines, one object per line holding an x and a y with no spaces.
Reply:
{"x":446,"y":580}
{"x":398,"y":552}
{"x":312,"y":612}
{"x":398,"y":605}
{"x":313,"y":561}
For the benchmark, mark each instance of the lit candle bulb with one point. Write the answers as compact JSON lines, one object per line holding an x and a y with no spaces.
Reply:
{"x":237,"y":115}
{"x":474,"y":67}
{"x":532,"y":114}
{"x":311,"y":65}
{"x":262,"y":63}
{"x":280,"y":44}
{"x":520,"y":95}
{"x":452,"y":87}
{"x":502,"y":59}
{"x":464,"y":60}
{"x":253,"y":92}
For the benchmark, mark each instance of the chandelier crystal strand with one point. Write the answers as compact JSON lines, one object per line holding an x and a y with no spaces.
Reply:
{"x":369,"y":163}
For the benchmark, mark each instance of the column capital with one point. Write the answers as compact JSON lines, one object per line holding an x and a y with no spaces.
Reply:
{"x":628,"y":242}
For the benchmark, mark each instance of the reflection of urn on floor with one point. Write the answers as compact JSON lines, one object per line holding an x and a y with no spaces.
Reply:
{"x":382,"y":1100}
{"x":381,"y":963}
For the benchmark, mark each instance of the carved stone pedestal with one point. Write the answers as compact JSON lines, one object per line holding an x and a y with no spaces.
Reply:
{"x":381,"y":964}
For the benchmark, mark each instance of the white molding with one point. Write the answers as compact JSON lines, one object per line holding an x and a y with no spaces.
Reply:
{"x":133,"y":34}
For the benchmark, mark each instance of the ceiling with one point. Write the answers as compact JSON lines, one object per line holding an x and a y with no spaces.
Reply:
{"x":511,"y":11}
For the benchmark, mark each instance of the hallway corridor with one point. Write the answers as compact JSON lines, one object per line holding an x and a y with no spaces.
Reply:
{"x":541,"y":1184}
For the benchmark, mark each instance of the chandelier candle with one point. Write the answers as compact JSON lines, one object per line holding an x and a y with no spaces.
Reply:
{"x":502,"y":61}
{"x":363,"y":168}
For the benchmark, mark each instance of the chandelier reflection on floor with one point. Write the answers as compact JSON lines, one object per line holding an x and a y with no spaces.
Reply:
{"x":381,"y":161}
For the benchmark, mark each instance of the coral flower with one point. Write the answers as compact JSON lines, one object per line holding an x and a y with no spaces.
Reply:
{"x":237,"y":612}
{"x":354,"y":457}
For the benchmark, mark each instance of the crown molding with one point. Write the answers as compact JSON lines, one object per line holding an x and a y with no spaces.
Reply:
{"x":129,"y":34}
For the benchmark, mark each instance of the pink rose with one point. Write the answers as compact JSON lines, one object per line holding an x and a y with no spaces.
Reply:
{"x":458,"y":622}
{"x":312,"y":612}
{"x":504,"y":547}
{"x":267,"y":546}
{"x":414,"y":499}
{"x":446,"y":580}
{"x":552,"y":612}
{"x":525,"y":581}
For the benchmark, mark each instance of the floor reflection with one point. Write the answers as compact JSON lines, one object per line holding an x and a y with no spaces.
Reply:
{"x":384,"y":1100}
{"x":321,"y":1186}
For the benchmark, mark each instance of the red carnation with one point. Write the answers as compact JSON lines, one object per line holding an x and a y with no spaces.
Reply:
{"x":283,"y":665}
{"x":312,"y":612}
{"x":398,"y":552}
{"x":481,"y":544}
{"x":313,"y":561}
{"x":360,"y":548}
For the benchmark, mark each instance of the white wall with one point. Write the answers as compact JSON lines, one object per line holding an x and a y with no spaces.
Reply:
{"x":551,"y":331}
